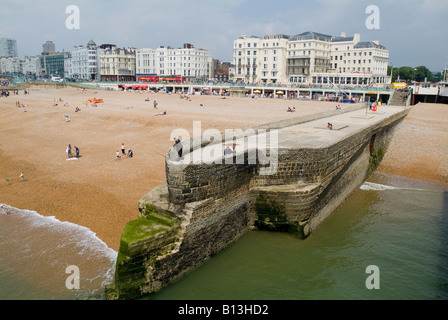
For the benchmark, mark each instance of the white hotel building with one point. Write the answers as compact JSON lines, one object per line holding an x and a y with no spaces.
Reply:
{"x":187,"y":62}
{"x":83,"y":62}
{"x":310,"y":58}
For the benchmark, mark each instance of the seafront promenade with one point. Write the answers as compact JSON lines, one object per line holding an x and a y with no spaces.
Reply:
{"x":302,"y":92}
{"x":283,"y":91}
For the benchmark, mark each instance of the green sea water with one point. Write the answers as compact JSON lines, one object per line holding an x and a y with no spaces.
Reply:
{"x":398,"y":225}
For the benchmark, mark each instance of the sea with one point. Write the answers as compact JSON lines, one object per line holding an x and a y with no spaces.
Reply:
{"x":388,"y":241}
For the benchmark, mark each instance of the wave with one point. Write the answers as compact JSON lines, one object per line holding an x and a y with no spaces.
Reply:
{"x":370,"y":186}
{"x":87,"y":238}
{"x":39,"y":247}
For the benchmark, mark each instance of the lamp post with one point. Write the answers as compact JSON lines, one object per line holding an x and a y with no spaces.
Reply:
{"x":118,"y":72}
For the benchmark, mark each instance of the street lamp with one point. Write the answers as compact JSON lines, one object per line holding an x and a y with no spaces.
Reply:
{"x":118,"y":72}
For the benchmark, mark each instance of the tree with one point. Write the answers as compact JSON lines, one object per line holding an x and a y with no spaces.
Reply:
{"x":409,"y":74}
{"x":423,"y":74}
{"x":437,"y":77}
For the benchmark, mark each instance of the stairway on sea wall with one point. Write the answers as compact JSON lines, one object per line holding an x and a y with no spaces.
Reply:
{"x":400,"y":98}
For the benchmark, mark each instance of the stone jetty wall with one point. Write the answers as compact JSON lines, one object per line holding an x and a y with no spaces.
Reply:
{"x":203,"y":208}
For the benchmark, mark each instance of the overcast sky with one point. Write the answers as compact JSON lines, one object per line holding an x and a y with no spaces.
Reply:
{"x":414,"y":31}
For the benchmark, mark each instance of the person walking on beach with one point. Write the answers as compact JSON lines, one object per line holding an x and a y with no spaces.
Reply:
{"x":155,"y":104}
{"x":69,"y":151}
{"x":22,"y":177}
{"x":123,"y":149}
{"x":77,"y":152}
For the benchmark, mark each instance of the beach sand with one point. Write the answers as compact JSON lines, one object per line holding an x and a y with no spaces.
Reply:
{"x":101,"y":193}
{"x":419,"y":148}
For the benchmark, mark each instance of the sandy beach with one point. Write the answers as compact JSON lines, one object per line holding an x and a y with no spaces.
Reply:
{"x":101,"y":193}
{"x":419,"y":148}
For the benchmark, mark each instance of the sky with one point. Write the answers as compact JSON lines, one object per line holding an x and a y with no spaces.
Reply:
{"x":414,"y":31}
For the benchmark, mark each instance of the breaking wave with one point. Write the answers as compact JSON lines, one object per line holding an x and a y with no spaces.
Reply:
{"x":370,"y":186}
{"x":36,"y":251}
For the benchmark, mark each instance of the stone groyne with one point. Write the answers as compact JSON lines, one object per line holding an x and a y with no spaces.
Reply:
{"x":204,"y":207}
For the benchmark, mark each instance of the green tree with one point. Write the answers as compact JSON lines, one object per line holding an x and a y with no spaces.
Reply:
{"x":406,"y":73}
{"x":410,"y":74}
{"x":438,"y":77}
{"x":422,"y":73}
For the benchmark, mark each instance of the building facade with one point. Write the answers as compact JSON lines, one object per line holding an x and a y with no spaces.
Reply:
{"x":53,"y":64}
{"x":31,"y":66}
{"x":117,"y":64}
{"x":309,"y":58}
{"x":187,"y":63}
{"x":48,"y":48}
{"x":84,"y":62}
{"x":10,"y":65}
{"x":8,"y":47}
